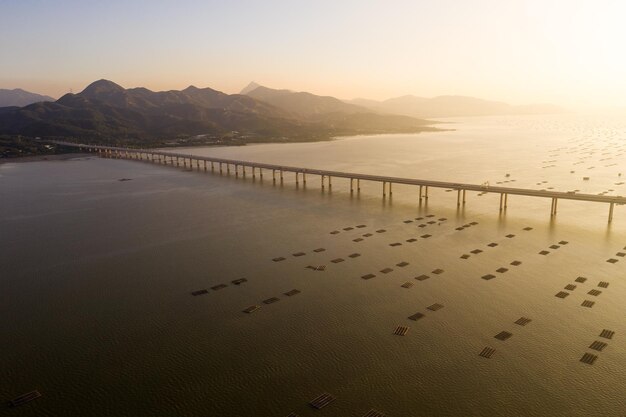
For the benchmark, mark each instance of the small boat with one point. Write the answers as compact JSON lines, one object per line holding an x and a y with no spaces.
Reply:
{"x":25,"y":398}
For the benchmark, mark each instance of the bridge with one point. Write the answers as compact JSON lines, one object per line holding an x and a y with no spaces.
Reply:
{"x":178,"y":159}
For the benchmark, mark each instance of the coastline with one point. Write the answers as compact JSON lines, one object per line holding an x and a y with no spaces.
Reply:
{"x":40,"y":158}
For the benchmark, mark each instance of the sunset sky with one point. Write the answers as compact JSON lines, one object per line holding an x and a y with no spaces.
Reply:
{"x":565,"y":52}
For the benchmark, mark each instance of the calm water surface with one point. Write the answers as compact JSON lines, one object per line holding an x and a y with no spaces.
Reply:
{"x":96,"y":311}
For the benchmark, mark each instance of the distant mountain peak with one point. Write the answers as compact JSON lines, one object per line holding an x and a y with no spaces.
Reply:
{"x":20,"y":97}
{"x":101,"y":87}
{"x":250,"y":87}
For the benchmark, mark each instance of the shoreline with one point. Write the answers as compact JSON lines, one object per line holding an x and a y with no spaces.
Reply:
{"x":40,"y":158}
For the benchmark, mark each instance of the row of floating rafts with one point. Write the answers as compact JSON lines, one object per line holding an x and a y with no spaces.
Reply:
{"x":25,"y":398}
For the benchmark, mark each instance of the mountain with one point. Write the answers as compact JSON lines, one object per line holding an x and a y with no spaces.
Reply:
{"x":108,"y":113}
{"x":19,"y":97}
{"x":303,"y":104}
{"x":451,"y":106}
{"x":249,"y":87}
{"x":332,"y":112}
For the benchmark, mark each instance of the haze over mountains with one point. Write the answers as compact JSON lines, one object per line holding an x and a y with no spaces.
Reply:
{"x":302,"y":104}
{"x":19,"y":97}
{"x":106,"y":112}
{"x":451,"y":106}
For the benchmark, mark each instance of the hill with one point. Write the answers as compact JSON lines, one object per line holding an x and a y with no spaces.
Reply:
{"x":19,"y":97}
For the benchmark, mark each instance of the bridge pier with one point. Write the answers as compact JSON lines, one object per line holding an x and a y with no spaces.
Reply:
{"x":227,"y":169}
{"x":304,"y":178}
{"x":243,"y":170}
{"x":281,"y":177}
{"x":611,"y":212}
{"x":236,"y":171}
{"x":384,"y":186}
{"x":330,"y":184}
{"x":274,"y":176}
{"x":322,"y":178}
{"x":553,"y":208}
{"x":458,"y":197}
{"x":390,"y":190}
{"x":351,"y":185}
{"x":506,"y":200}
{"x":297,"y":181}
{"x":205,"y":165}
{"x":253,"y":173}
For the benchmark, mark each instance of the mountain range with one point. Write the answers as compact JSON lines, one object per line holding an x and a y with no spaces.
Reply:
{"x":108,"y":113}
{"x":105,"y":112}
{"x":19,"y":97}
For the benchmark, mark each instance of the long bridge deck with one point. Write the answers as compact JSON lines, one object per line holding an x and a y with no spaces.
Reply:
{"x":461,"y":188}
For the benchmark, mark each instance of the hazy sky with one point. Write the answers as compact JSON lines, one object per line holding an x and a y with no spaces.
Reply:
{"x":567,"y":52}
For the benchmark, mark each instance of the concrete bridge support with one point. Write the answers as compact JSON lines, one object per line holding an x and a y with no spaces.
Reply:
{"x":553,"y":207}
